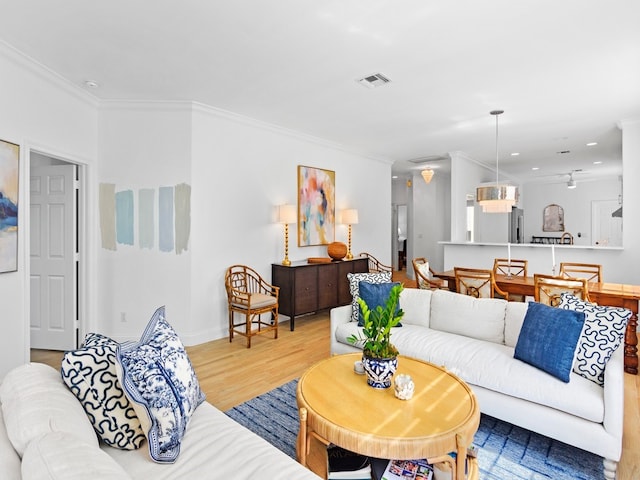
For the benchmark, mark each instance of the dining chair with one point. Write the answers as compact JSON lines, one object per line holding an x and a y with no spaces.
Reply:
{"x":513,"y":268}
{"x":591,"y":271}
{"x":478,"y":283}
{"x":375,"y":266}
{"x":425,"y":278}
{"x":548,"y":289}
{"x":251,"y":296}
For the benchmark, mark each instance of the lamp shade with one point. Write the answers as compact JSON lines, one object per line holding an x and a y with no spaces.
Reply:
{"x":350,"y":216}
{"x":427,"y":175}
{"x":497,"y":198}
{"x":287,"y":214}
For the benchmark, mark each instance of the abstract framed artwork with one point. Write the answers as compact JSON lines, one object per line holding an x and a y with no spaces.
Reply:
{"x":9,"y":170}
{"x":316,"y":206}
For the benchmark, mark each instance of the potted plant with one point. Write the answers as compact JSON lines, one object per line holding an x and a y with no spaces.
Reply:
{"x":379,"y":355}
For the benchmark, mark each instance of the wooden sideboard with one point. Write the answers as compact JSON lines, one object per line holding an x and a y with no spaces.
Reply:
{"x":309,"y":287}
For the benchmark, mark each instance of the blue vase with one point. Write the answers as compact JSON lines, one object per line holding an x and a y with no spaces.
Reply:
{"x":379,"y":370}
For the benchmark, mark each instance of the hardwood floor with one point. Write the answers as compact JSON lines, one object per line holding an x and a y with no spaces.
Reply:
{"x":230,"y":373}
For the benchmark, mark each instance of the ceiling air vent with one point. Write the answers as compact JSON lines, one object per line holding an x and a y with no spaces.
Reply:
{"x":374,"y":80}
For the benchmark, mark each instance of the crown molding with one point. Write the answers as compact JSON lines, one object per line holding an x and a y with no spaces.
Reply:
{"x":252,"y":122}
{"x":46,"y":74}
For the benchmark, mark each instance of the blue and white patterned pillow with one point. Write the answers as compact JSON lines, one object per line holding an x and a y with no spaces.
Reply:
{"x":90,"y":374}
{"x":159,"y":379}
{"x":354,"y":288}
{"x":603,"y":331}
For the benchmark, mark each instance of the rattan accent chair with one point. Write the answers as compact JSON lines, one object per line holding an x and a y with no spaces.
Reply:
{"x":425,"y":278}
{"x":478,"y":283}
{"x":591,"y":271}
{"x":375,"y":266}
{"x":514,"y":268}
{"x":251,"y":296}
{"x":548,"y":289}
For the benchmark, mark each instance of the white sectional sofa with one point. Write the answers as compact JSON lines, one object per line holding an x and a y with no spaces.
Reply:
{"x":475,"y":339}
{"x":45,"y":434}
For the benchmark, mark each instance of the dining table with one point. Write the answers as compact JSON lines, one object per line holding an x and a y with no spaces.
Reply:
{"x":602,"y":293}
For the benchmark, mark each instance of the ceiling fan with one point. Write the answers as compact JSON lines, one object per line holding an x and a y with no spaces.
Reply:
{"x":572,"y":183}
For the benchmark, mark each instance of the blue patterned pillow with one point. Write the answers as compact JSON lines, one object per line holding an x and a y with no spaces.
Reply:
{"x":354,"y":288}
{"x":159,"y":379}
{"x":548,"y":339}
{"x":375,"y":295}
{"x":90,"y":374}
{"x":602,"y":334}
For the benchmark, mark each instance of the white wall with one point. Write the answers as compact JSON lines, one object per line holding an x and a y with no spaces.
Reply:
{"x":143,"y":145}
{"x":39,"y":111}
{"x":241,"y":171}
{"x":431,"y":218}
{"x":575,"y":202}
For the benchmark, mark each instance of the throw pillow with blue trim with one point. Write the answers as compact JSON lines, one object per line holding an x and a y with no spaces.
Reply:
{"x":603,"y":331}
{"x":375,"y":295}
{"x":549,"y":338}
{"x":159,"y":379}
{"x":354,"y":288}
{"x":90,"y":374}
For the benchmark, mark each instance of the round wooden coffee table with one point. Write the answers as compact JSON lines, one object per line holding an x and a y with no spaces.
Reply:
{"x":337,"y":406}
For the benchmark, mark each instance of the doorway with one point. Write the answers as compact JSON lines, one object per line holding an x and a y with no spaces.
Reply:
{"x":402,"y":237}
{"x":606,"y":228}
{"x":54,"y":229}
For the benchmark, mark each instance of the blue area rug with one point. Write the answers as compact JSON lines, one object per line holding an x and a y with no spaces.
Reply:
{"x":505,"y":452}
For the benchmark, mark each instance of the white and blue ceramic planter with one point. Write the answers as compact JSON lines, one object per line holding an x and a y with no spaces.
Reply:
{"x":379,"y":370}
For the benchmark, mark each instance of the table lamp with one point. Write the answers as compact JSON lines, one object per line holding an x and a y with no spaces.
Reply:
{"x":286,"y":215}
{"x":349,"y":217}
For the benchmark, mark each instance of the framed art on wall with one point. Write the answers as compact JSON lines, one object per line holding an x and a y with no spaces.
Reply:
{"x":316,"y":206}
{"x":9,"y":169}
{"x":553,"y":218}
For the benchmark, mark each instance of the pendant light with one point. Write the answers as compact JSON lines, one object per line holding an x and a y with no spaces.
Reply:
{"x":427,"y":175}
{"x":498,"y":198}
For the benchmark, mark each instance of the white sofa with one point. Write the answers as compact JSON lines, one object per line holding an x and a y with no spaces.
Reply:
{"x":45,"y":434}
{"x":475,"y":339}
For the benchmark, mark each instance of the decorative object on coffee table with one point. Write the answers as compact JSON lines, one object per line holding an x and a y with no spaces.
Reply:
{"x":337,"y":250}
{"x":404,"y":386}
{"x":379,"y":355}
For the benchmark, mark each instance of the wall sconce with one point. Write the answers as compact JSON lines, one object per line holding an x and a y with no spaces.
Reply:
{"x":350,"y":217}
{"x":287,"y":214}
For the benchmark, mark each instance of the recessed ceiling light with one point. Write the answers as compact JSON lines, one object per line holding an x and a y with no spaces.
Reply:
{"x":515,"y":154}
{"x":597,"y":162}
{"x":535,"y":168}
{"x":91,"y":84}
{"x":394,"y":176}
{"x":591,"y":144}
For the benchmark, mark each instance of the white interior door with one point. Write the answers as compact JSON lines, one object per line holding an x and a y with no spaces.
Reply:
{"x":606,"y":230}
{"x":53,"y":257}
